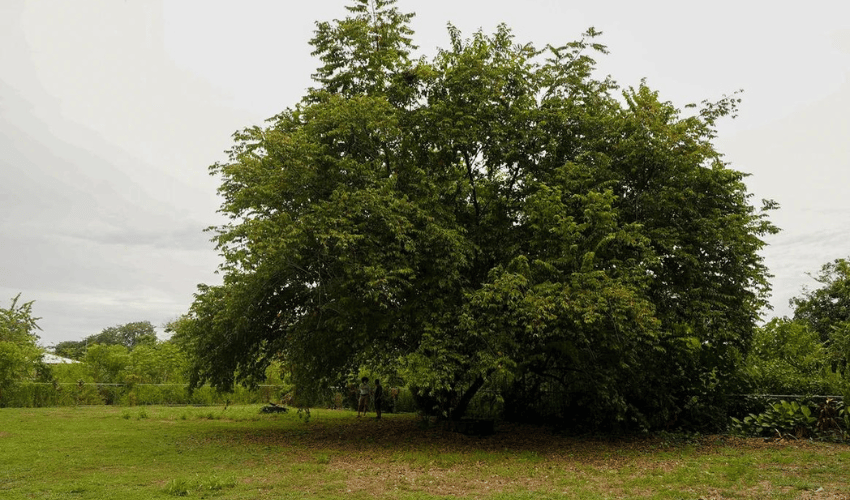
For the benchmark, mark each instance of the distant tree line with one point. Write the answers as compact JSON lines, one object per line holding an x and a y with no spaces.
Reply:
{"x":123,"y":364}
{"x":129,"y":335}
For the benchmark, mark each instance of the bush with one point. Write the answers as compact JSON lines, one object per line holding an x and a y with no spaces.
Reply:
{"x":146,"y":394}
{"x":31,"y":394}
{"x":788,"y":357}
{"x":793,"y":420}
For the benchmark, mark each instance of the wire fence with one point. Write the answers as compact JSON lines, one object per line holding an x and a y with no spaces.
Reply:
{"x":41,"y":394}
{"x":36,"y":394}
{"x":499,"y":400}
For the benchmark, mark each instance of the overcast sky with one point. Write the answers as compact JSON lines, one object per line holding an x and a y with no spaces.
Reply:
{"x":112,"y":110}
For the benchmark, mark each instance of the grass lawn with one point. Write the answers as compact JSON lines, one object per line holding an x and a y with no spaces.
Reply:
{"x":237,"y":453}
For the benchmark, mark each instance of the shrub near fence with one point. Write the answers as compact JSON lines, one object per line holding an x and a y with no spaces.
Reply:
{"x":741,"y":405}
{"x":36,"y":395}
{"x":828,"y":420}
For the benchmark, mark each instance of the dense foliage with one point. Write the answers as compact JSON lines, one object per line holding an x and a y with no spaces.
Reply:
{"x":827,"y":420}
{"x":129,"y":335}
{"x":20,"y":357}
{"x":807,"y":354}
{"x":151,"y":372}
{"x":827,"y":310}
{"x":496,"y":210}
{"x":788,"y":358}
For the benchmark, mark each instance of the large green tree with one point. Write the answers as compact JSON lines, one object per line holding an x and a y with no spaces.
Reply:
{"x":494,"y":210}
{"x":20,"y":356}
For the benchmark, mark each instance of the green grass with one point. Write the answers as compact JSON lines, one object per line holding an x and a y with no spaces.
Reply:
{"x":236,"y":453}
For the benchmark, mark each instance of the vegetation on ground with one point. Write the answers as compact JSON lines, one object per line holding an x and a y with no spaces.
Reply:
{"x":239,"y":453}
{"x":828,"y":420}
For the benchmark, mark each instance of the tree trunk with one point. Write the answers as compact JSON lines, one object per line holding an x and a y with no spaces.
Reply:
{"x":463,"y":404}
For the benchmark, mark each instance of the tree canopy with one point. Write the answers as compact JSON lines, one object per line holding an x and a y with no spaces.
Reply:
{"x":128,"y":335}
{"x":807,"y":353}
{"x":826,"y":310}
{"x":496,"y":211}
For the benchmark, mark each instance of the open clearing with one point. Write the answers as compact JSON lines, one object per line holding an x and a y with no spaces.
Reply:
{"x":237,"y":453}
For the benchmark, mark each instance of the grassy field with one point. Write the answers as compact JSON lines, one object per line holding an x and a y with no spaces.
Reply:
{"x":236,"y":453}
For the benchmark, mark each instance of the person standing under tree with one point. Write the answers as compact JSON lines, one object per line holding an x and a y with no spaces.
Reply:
{"x":363,"y":403}
{"x":379,"y":393}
